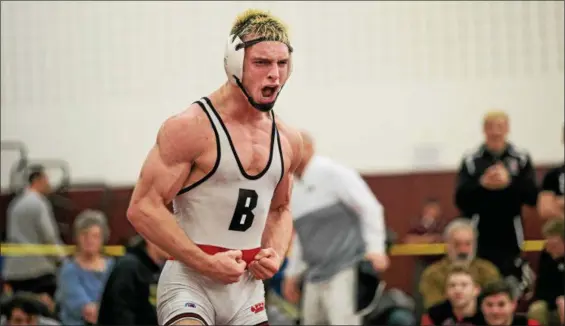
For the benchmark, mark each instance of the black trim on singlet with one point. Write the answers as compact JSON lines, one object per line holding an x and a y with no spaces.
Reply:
{"x":218,"y":154}
{"x":191,"y":315}
{"x":241,"y":169}
{"x":280,"y":152}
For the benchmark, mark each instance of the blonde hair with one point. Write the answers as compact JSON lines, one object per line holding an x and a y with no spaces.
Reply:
{"x":260,"y":23}
{"x":495,"y":114}
{"x":459,"y":268}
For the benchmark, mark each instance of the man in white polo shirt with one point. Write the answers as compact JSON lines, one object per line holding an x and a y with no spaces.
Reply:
{"x":338,"y":223}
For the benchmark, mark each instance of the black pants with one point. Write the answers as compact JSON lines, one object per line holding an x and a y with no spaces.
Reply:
{"x":42,"y":284}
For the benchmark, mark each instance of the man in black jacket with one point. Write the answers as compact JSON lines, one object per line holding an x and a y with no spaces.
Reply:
{"x":130,"y":294}
{"x":493,"y":184}
{"x":550,"y":283}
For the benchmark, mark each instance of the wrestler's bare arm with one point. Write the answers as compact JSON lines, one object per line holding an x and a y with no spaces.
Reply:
{"x":278,"y":230}
{"x":163,"y":174}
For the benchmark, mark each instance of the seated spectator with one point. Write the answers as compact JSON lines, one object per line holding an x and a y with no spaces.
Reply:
{"x":129,"y":297}
{"x":498,"y":306}
{"x":429,"y":226}
{"x":30,"y":220}
{"x":461,"y":306}
{"x":460,"y":239}
{"x":82,"y":279}
{"x":25,"y":309}
{"x":550,"y":284}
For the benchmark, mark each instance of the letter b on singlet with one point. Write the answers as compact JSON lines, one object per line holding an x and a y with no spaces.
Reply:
{"x":243,"y":215}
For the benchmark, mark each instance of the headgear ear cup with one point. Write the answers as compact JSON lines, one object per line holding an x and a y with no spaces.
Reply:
{"x":233,"y":59}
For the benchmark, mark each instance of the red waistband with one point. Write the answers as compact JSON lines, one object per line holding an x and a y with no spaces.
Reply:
{"x":247,"y":255}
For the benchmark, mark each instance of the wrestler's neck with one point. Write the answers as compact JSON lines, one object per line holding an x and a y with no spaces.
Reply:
{"x":231,"y":101}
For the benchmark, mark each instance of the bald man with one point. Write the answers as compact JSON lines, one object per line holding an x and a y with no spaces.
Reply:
{"x":338,"y":223}
{"x":493,"y":184}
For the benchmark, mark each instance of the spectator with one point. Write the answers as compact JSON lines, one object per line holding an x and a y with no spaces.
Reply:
{"x":460,"y":241}
{"x":31,"y":221}
{"x":82,"y":279}
{"x":429,"y":226}
{"x":461,"y":306}
{"x":428,"y":229}
{"x":338,"y":223}
{"x":550,"y":285}
{"x":551,"y":199}
{"x":498,"y":306}
{"x":25,"y":309}
{"x":545,"y":309}
{"x":493,"y":184}
{"x":129,"y":296}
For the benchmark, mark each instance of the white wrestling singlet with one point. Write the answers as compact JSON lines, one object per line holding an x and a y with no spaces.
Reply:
{"x":225,"y":210}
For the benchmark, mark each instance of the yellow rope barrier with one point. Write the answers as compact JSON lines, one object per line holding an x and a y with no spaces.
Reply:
{"x":12,"y":249}
{"x":439,"y":248}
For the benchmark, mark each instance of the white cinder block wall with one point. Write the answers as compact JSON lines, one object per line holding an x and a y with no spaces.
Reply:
{"x":384,"y":86}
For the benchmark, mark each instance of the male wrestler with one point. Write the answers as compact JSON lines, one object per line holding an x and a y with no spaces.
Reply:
{"x":227,"y":167}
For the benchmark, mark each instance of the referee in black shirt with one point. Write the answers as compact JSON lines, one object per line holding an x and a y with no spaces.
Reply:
{"x":493,"y":184}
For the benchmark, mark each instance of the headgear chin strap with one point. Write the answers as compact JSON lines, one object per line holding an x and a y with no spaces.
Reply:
{"x":263,"y":107}
{"x":233,"y":64}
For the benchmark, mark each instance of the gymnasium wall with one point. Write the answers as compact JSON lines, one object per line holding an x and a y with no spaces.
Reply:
{"x":386,"y":87}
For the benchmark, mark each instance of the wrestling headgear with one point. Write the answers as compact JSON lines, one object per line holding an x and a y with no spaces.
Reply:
{"x":233,"y":65}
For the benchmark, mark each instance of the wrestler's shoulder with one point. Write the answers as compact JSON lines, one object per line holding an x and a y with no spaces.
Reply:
{"x":191,"y":127}
{"x":189,"y":121}
{"x":291,"y":137}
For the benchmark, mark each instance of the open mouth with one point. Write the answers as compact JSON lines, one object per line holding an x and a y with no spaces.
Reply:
{"x":268,"y":91}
